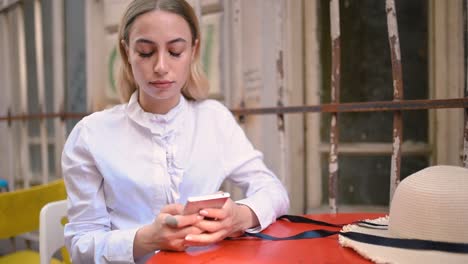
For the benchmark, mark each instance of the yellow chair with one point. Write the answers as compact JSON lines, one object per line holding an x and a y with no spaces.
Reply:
{"x":19,"y":213}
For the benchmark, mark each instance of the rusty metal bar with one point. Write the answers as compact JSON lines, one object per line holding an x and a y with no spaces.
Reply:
{"x":397,"y":74}
{"x":335,"y":98}
{"x":378,"y":106}
{"x":38,"y":116}
{"x":465,"y":38}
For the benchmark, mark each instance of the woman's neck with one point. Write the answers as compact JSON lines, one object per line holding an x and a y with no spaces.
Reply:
{"x":155,"y":106}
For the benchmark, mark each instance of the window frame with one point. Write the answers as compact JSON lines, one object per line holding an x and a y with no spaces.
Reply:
{"x":20,"y":171}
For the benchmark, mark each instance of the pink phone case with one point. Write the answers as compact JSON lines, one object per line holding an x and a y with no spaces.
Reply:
{"x":195,"y":204}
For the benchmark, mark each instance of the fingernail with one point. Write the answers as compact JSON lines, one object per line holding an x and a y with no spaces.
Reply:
{"x":203,"y":212}
{"x":171,"y":221}
{"x":200,"y":217}
{"x":188,"y":237}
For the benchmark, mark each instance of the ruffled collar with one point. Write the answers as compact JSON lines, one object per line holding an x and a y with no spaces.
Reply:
{"x":158,"y":124}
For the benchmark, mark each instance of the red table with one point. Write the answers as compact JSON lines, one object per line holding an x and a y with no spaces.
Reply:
{"x":252,"y":250}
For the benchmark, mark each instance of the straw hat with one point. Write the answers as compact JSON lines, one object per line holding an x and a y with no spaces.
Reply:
{"x":431,"y":204}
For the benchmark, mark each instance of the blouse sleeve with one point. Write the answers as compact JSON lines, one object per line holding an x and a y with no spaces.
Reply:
{"x":265,"y":194}
{"x":88,"y":234}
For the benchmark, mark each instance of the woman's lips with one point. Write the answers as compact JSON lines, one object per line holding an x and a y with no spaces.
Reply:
{"x":162,"y":84}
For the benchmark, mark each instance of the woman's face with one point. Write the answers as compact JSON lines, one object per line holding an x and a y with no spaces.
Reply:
{"x":160,"y":52}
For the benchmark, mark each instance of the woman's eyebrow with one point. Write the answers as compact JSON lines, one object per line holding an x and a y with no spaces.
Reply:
{"x":176,"y":40}
{"x":142,"y":40}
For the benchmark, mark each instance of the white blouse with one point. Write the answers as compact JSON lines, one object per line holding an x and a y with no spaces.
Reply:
{"x":122,"y":165}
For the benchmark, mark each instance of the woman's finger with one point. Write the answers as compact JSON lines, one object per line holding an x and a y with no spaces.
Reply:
{"x":177,"y":245}
{"x":205,"y":238}
{"x":180,"y":221}
{"x":210,"y":225}
{"x":213,"y":213}
{"x":173,"y":209}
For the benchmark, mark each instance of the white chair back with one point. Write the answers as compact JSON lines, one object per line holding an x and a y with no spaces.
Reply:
{"x":51,"y":236}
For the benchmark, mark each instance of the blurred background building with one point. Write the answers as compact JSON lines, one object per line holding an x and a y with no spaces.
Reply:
{"x":59,"y":56}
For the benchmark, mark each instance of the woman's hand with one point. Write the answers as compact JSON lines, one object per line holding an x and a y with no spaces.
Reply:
{"x":167,"y":232}
{"x":229,"y":221}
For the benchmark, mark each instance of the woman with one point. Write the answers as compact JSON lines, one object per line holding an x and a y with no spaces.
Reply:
{"x":129,"y":170}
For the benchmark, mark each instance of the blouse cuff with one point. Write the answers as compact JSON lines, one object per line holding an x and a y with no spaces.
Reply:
{"x":120,"y":247}
{"x":263,"y":219}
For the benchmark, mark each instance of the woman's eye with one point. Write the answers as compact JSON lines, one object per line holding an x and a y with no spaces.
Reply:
{"x":175,"y":54}
{"x":145,"y":55}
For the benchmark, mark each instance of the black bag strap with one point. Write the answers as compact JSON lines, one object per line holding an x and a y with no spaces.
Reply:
{"x":360,"y":237}
{"x":318,"y":233}
{"x":305,"y":220}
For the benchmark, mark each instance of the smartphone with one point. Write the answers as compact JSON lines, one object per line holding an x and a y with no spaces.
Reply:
{"x":196,"y":203}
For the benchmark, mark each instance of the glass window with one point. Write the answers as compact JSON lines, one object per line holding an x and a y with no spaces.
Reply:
{"x":366,"y":75}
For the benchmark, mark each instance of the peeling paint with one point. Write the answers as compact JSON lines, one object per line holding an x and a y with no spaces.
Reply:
{"x":332,"y":204}
{"x":237,"y":11}
{"x":280,"y":64}
{"x":397,"y":75}
{"x":465,"y":141}
{"x":335,"y":98}
{"x":466,"y":125}
{"x":393,"y":28}
{"x":333,"y":167}
{"x":284,"y":168}
{"x":396,"y":92}
{"x":396,"y":51}
{"x":394,"y":171}
{"x":333,"y":163}
{"x":396,"y":148}
{"x":335,"y":19}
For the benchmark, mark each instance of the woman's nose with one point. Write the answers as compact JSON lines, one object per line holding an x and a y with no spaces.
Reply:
{"x":160,"y":66}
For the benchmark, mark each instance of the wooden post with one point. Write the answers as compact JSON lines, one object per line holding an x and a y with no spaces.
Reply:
{"x":465,"y":39}
{"x":312,"y":78}
{"x":335,"y":98}
{"x":23,"y":87}
{"x":41,"y":90}
{"x":280,"y":21}
{"x":6,"y":92}
{"x":59,"y":79}
{"x":397,"y":93}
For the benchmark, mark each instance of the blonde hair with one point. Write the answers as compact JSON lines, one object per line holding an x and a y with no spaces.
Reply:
{"x":196,"y":87}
